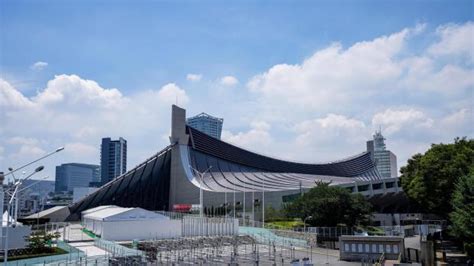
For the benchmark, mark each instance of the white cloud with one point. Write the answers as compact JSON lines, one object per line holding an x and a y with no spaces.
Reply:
{"x":75,"y":91}
{"x":229,"y":81}
{"x":455,"y":40}
{"x":82,"y":150}
{"x":194,"y":77}
{"x":77,"y":112}
{"x":11,"y":98}
{"x":22,"y":141}
{"x":332,"y":76}
{"x":407,"y":119}
{"x":460,"y":122}
{"x":172,"y":94}
{"x":329,"y":138}
{"x":258,"y":138}
{"x":38,"y":66}
{"x":348,"y":80}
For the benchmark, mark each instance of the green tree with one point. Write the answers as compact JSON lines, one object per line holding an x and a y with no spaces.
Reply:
{"x":271,"y":214}
{"x":462,"y":217}
{"x":330,"y":206}
{"x":429,"y":179}
{"x":39,"y":242}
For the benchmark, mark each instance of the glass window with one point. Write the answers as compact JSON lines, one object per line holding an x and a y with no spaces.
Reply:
{"x":360,"y":248}
{"x":388,"y":248}
{"x":381,"y":248}
{"x":347,"y":247}
{"x":374,"y":248}
{"x":395,"y":248}
{"x":354,"y":249}
{"x":367,"y":248}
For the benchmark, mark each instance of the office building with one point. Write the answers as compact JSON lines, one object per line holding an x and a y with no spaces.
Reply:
{"x":385,"y":160}
{"x":113,"y":159}
{"x":208,"y":124}
{"x":71,"y":175}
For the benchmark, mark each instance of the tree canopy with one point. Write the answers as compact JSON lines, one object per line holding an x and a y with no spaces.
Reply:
{"x":462,"y":217}
{"x":330,"y":206}
{"x":430,"y":179}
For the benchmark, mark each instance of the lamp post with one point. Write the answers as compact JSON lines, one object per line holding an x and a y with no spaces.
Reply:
{"x":243,"y":215}
{"x":304,"y":222}
{"x":5,"y":257}
{"x":233,"y":188}
{"x":30,"y":163}
{"x":263,"y":203}
{"x":16,"y":185}
{"x":201,"y":176}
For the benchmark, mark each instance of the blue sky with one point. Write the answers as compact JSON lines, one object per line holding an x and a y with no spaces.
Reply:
{"x":317,"y":77}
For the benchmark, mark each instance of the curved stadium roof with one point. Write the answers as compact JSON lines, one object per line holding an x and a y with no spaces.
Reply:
{"x":234,"y":168}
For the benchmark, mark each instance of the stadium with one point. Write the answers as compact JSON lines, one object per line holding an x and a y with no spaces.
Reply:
{"x":229,"y":177}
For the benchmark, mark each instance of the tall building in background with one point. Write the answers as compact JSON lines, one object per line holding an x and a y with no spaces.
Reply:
{"x":113,"y":159}
{"x":208,"y":124}
{"x":71,"y":175}
{"x":385,"y":160}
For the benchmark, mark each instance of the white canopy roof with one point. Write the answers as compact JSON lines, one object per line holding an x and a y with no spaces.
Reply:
{"x":114,"y":213}
{"x":46,"y":212}
{"x":98,"y":208}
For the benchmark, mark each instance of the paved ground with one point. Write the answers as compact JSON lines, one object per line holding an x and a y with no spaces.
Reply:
{"x":322,"y":256}
{"x":89,"y":249}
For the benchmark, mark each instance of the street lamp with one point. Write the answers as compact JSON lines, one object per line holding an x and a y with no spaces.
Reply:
{"x":17,"y":184}
{"x":304,"y":222}
{"x":201,"y":177}
{"x":30,"y":163}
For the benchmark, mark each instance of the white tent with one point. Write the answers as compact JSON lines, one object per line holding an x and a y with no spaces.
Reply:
{"x":120,"y":224}
{"x":7,"y":217}
{"x":88,"y":211}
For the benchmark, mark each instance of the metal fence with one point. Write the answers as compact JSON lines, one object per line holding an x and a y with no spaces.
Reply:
{"x":116,"y":249}
{"x":73,"y":254}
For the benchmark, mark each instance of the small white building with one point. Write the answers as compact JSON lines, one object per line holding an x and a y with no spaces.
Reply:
{"x":122,"y":224}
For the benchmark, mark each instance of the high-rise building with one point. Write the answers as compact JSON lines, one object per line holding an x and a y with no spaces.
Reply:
{"x":208,"y":124}
{"x":71,"y":175}
{"x":385,"y":160}
{"x":113,"y":159}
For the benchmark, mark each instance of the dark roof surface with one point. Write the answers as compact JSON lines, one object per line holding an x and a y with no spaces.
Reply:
{"x":357,"y":166}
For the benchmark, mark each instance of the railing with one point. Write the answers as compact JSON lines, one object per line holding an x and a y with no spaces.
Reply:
{"x":73,"y":254}
{"x":115,"y":249}
{"x":176,"y":215}
{"x":265,"y":236}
